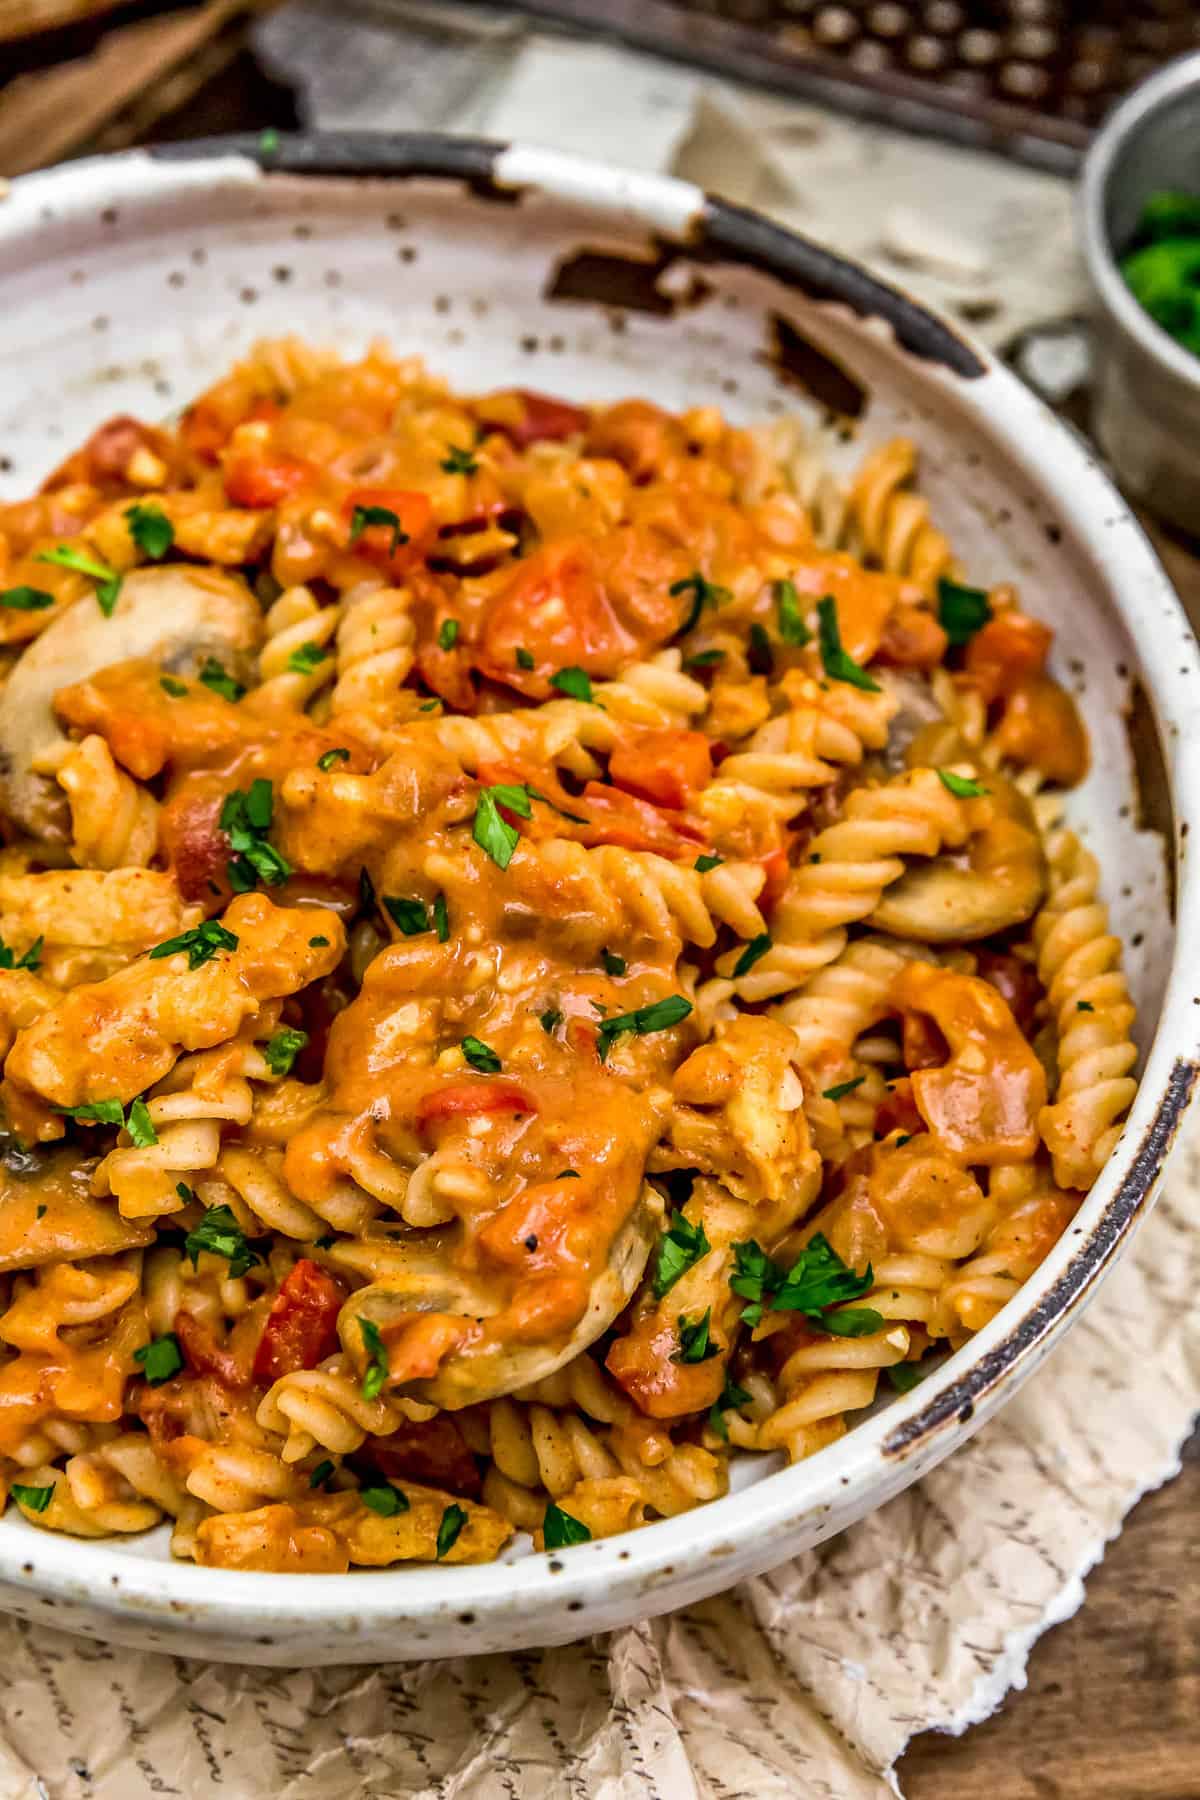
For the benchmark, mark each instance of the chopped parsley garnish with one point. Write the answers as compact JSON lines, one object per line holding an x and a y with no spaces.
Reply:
{"x":447,"y":635}
{"x":453,"y":1520}
{"x":26,"y":599}
{"x":705,"y":863}
{"x":95,"y":1112}
{"x":481,"y":1056}
{"x":817,"y":1279}
{"x":905,"y":1376}
{"x":839,"y":665}
{"x":326,"y":1241}
{"x":140,"y":1125}
{"x":731,"y":1396}
{"x":842,"y":1088}
{"x":792,"y":628}
{"x":318,"y":943}
{"x":220,"y":1234}
{"x":441,"y":919}
{"x":268,"y":141}
{"x":326,"y":761}
{"x":169,"y":685}
{"x":308,"y":657}
{"x":376,"y":1371}
{"x":108,"y":582}
{"x":695,"y":1345}
{"x":491,"y":831}
{"x":560,"y":1530}
{"x":960,"y":786}
{"x":568,"y":1175}
{"x":365,"y":516}
{"x":760,"y":656}
{"x":524,"y":660}
{"x":160,"y":1359}
{"x":321,"y":1474}
{"x":214,"y":675}
{"x":704,"y":659}
{"x":458,"y":461}
{"x":704,"y":593}
{"x":681,"y":1245}
{"x":245,"y":819}
{"x":409,"y":916}
{"x":150,"y":529}
{"x":282,"y":1049}
{"x":368,"y":899}
{"x":576,"y":683}
{"x":962,"y":611}
{"x":756,"y":948}
{"x":1080,"y":1005}
{"x":384,"y":1499}
{"x":550,"y":1020}
{"x":32,"y":959}
{"x":613,"y":965}
{"x":186,"y":1194}
{"x":660,"y":1015}
{"x":575,"y":818}
{"x":37,"y":1499}
{"x":430,"y":706}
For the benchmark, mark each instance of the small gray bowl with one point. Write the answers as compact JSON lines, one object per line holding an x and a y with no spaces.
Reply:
{"x":1146,"y":387}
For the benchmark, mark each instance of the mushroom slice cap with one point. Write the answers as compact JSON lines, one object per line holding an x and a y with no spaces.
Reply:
{"x":999,"y":883}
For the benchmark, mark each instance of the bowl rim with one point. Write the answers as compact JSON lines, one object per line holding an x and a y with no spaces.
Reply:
{"x":1103,"y":157}
{"x":682,"y":1559}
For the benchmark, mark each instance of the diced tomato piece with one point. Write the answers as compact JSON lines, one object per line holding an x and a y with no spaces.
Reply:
{"x":267,"y":480}
{"x":664,"y":767}
{"x":432,"y":1451}
{"x":897,"y":1111}
{"x":301,"y":1327}
{"x":543,"y":416}
{"x":912,"y":639}
{"x":615,"y":817}
{"x":777,"y":868}
{"x":459,"y":1099}
{"x":1009,"y":647}
{"x":555,"y":609}
{"x":203,"y":1354}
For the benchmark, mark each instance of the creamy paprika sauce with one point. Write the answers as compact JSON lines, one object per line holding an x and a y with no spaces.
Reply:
{"x":526,"y":970}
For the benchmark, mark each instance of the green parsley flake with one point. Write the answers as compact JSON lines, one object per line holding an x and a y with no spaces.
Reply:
{"x":613,"y":964}
{"x":695,"y":1345}
{"x":108,"y":582}
{"x":816,"y":1280}
{"x":363,"y":517}
{"x":245,"y":819}
{"x":384,"y":1499}
{"x":761,"y":655}
{"x":575,"y":683}
{"x":730,"y":1397}
{"x":215,"y":676}
{"x":169,"y":685}
{"x":550,"y":1020}
{"x":1080,"y":1005}
{"x":905,"y":1376}
{"x":459,"y":462}
{"x":842,"y":1088}
{"x":376,"y":1371}
{"x":318,"y":943}
{"x":681,"y":1246}
{"x":660,"y":1015}
{"x":792,"y":628}
{"x":308,"y":657}
{"x":524,"y":660}
{"x":26,"y":599}
{"x":140,"y":1126}
{"x":326,"y":761}
{"x":201,"y":943}
{"x":268,"y":141}
{"x":839,"y":666}
{"x":411,"y":917}
{"x":491,"y":831}
{"x":441,"y":919}
{"x":447,"y":635}
{"x":705,"y":863}
{"x":220,"y":1234}
{"x":962,"y":611}
{"x":755,"y":949}
{"x":31,"y":960}
{"x":95,"y":1112}
{"x":704,"y":594}
{"x":321,"y":1474}
{"x":560,"y":1530}
{"x":150,"y":529}
{"x":160,"y":1359}
{"x":481,"y":1056}
{"x":450,"y":1529}
{"x":34,"y":1499}
{"x":704,"y":659}
{"x":960,"y":786}
{"x":282,"y":1049}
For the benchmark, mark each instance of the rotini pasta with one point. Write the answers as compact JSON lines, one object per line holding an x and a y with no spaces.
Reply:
{"x":538,"y":953}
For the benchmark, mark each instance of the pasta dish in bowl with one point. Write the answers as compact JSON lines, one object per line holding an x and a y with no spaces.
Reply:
{"x":539,"y":956}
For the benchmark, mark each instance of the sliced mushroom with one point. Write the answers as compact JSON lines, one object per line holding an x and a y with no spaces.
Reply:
{"x":421,"y":1281}
{"x":999,"y":882}
{"x":175,"y":615}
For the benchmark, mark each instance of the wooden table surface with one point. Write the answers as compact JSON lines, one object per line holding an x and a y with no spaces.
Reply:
{"x":1112,"y":1706}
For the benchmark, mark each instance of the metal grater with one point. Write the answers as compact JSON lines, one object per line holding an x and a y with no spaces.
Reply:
{"x":1030,"y":78}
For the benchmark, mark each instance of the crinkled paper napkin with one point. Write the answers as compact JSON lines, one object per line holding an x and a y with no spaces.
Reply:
{"x":805,"y":1684}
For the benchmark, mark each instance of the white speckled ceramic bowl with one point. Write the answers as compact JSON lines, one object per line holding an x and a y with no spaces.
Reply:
{"x":128,"y":283}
